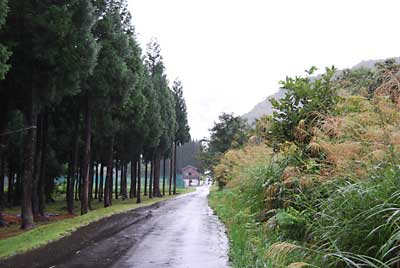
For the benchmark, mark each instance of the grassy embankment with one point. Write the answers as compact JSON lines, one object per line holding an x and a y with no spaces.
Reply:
{"x":335,"y":203}
{"x":237,"y":206}
{"x":45,"y":233}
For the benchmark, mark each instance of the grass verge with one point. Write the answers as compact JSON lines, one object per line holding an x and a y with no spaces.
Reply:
{"x":246,"y":237}
{"x":44,"y":234}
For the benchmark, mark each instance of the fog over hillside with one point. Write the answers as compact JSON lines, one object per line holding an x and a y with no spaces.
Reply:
{"x":265,"y":108}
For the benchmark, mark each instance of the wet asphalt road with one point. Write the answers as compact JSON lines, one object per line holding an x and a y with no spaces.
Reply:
{"x":179,"y":233}
{"x":182,"y":234}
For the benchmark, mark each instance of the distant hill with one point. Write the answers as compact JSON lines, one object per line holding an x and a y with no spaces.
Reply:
{"x":371,"y":63}
{"x":265,"y":108}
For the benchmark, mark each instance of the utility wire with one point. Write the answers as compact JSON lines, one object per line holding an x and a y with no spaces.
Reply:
{"x":16,"y":131}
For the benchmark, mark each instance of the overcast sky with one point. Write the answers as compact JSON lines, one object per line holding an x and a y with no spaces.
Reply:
{"x":231,"y":54}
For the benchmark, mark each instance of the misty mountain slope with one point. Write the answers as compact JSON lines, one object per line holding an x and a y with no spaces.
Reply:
{"x":265,"y":107}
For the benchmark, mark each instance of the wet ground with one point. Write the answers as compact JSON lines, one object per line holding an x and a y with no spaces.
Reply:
{"x":179,"y":233}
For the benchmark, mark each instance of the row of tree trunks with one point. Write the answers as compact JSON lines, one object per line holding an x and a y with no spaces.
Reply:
{"x":34,"y":185}
{"x":96,"y":174}
{"x":96,"y":179}
{"x":97,"y":170}
{"x":152,"y":180}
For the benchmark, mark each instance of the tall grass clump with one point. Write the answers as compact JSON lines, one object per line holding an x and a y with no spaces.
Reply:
{"x":239,"y":208}
{"x":358,"y":224}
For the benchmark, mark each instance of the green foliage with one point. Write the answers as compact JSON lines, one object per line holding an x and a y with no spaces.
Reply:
{"x":4,"y":53}
{"x":69,"y":48}
{"x":229,"y":133}
{"x":132,"y":112}
{"x":153,"y":124}
{"x":354,"y":104}
{"x":355,"y":82}
{"x":112,"y":78}
{"x":291,"y":224}
{"x":3,"y":11}
{"x":168,"y":117}
{"x":4,"y":56}
{"x":306,"y":99}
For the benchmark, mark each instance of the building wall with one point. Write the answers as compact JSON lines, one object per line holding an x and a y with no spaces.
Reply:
{"x":190,"y":173}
